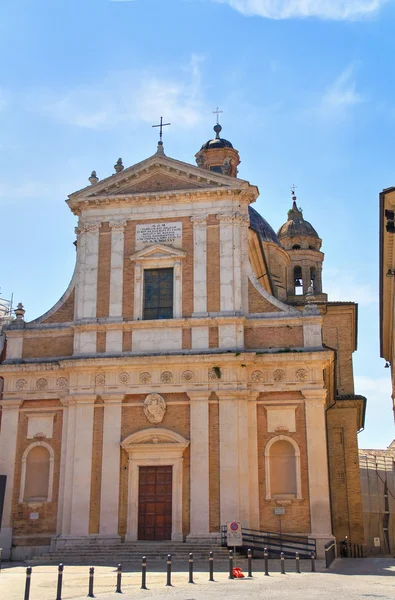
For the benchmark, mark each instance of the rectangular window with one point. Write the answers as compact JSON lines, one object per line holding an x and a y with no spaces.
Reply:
{"x":158,"y":294}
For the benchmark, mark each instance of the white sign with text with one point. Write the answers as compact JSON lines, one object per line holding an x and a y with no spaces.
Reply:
{"x":234,"y":536}
{"x":158,"y":233}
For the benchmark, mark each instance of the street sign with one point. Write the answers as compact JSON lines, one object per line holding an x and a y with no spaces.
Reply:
{"x":234,"y":535}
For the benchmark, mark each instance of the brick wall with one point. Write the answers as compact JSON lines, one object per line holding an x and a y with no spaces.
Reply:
{"x":38,"y":531}
{"x":40,"y":346}
{"x":64,"y":314}
{"x":297,"y":515}
{"x":273,"y":337}
{"x":257,"y":303}
{"x":103,"y":274}
{"x":213,"y":262}
{"x":97,"y":455}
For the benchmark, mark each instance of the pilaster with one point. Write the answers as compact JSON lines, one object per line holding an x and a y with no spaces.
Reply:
{"x":199,"y":265}
{"x":199,"y":434}
{"x":8,"y":441}
{"x":109,"y":499}
{"x":116,"y":266}
{"x":226,"y":262}
{"x":88,"y":255}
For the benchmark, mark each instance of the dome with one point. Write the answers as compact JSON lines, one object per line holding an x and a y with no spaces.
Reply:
{"x":262,"y":227}
{"x":217,"y":142}
{"x":296,"y":226}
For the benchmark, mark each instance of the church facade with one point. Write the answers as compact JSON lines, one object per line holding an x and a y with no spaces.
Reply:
{"x":193,"y":373}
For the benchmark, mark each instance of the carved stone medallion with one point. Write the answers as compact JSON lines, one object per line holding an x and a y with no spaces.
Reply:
{"x":61,"y":382}
{"x":166,"y":377}
{"x":187,"y":375}
{"x":100,"y":379}
{"x":21,"y":384}
{"x":42,"y":384}
{"x":301,"y":374}
{"x":279,"y":375}
{"x":124,"y":378}
{"x":154,"y":408}
{"x":257,"y":376}
{"x":145,"y":377}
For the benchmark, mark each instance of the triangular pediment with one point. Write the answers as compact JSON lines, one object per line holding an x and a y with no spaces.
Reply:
{"x":157,"y":181}
{"x":158,"y":251}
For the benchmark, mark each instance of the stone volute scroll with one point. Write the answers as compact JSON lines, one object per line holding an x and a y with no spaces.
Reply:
{"x":154,"y":408}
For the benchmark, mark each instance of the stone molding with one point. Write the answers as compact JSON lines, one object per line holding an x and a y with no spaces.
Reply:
{"x":87,"y":227}
{"x":117,"y":224}
{"x":199,"y":220}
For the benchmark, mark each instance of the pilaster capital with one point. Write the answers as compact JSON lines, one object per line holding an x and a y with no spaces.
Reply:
{"x":232,"y":395}
{"x":11,"y":403}
{"x":199,"y":220}
{"x":233,"y":217}
{"x":199,"y":395}
{"x":86,"y":227}
{"x":118,"y":224}
{"x":225,"y":218}
{"x":315,"y":395}
{"x":112,"y":399}
{"x":79,"y":399}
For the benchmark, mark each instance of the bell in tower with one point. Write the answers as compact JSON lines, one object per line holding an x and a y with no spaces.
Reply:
{"x":301,"y":241}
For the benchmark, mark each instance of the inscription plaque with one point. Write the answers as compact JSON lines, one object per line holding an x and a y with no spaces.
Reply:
{"x":158,"y":233}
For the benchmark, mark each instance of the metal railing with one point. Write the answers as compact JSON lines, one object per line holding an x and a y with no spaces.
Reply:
{"x":275,"y":543}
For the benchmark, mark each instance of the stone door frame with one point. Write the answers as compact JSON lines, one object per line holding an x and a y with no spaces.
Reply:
{"x":149,"y":448}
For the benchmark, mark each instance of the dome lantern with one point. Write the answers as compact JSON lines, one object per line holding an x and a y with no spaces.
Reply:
{"x":218,"y":154}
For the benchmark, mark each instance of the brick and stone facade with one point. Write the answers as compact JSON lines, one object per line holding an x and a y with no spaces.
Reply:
{"x":247,"y":392}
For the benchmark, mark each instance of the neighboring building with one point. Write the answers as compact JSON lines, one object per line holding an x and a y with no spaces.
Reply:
{"x":192,"y":373}
{"x":387,"y":280}
{"x":378,"y":498}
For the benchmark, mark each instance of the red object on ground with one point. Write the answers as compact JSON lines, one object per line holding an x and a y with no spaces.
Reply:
{"x":238,"y":573}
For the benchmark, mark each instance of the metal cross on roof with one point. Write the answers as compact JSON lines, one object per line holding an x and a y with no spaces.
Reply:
{"x":161,"y":125}
{"x":217,"y":112}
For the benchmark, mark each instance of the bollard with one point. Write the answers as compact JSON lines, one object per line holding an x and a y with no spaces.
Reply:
{"x":313,"y":562}
{"x":282,"y":563}
{"x":91,"y":576}
{"x":60,"y":581}
{"x":211,"y":566}
{"x":144,"y":574}
{"x":168,"y":569}
{"x":119,"y":579}
{"x":297,"y":561}
{"x":190,"y":568}
{"x":266,"y":557}
{"x":27,"y":584}
{"x":231,"y":576}
{"x":249,"y":556}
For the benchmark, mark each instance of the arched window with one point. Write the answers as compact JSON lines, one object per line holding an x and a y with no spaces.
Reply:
{"x":37,"y":473}
{"x":312,"y":276}
{"x":298,"y":281}
{"x":282,"y":466}
{"x":296,"y":247}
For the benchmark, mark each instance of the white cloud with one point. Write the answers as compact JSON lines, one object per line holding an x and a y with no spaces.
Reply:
{"x":344,"y":286}
{"x":342,"y":93}
{"x":323,"y":9}
{"x":127,"y":96}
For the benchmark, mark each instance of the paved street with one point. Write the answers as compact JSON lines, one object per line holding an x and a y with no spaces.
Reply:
{"x":347,"y":579}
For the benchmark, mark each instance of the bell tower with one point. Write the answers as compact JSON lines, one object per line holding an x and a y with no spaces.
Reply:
{"x":301,"y":241}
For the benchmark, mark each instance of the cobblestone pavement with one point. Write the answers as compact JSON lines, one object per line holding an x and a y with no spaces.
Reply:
{"x":347,"y":579}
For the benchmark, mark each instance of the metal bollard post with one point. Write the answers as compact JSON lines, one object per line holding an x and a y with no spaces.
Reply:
{"x":60,"y":581}
{"x":27,"y":584}
{"x":313,"y":562}
{"x":168,"y":569}
{"x":266,"y":557}
{"x":119,"y":579}
{"x":211,"y":566}
{"x":282,"y":563}
{"x":190,"y":568}
{"x":231,"y":576}
{"x":297,"y":560}
{"x":249,"y":556}
{"x":91,"y":576}
{"x":144,"y":573}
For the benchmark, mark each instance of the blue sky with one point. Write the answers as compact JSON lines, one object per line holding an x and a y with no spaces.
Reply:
{"x":307,"y":88}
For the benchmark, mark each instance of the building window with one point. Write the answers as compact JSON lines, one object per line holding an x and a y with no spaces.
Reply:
{"x":37,"y":473}
{"x":312,"y":276}
{"x":216,"y":168}
{"x":282,"y":466}
{"x":158,"y":294}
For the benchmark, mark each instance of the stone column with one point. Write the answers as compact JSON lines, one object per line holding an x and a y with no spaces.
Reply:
{"x":253,"y":476}
{"x":317,"y":456}
{"x":109,"y":499}
{"x":200,"y":501}
{"x":8,"y":441}
{"x":199,"y":265}
{"x":116,"y":273}
{"x":226,"y":253}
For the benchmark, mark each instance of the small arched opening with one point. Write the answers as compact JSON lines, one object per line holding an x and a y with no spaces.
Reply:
{"x":298,"y":281}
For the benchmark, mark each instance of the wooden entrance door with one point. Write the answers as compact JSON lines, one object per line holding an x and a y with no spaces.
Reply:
{"x":155,"y":503}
